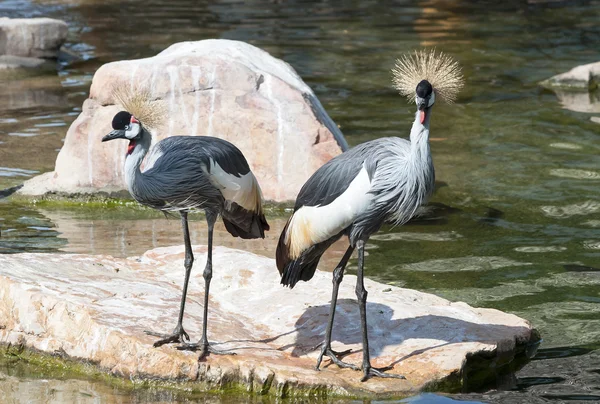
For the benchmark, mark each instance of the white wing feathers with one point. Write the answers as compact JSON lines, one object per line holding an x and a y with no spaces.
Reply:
{"x":243,"y":190}
{"x":310,"y":225}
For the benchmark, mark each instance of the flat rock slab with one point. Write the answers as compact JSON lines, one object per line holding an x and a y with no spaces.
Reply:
{"x":97,"y":307}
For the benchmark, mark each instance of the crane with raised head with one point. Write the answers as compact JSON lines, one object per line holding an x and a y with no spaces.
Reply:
{"x":183,"y":174}
{"x":355,"y":193}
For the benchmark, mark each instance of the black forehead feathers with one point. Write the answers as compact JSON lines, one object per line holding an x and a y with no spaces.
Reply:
{"x":424,"y":89}
{"x":121,"y":120}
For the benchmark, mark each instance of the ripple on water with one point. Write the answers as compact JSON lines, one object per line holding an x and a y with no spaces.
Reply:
{"x":51,"y":124}
{"x":566,"y":146}
{"x":583,"y":208}
{"x":23,"y":134}
{"x":571,"y":279}
{"x":16,"y":172}
{"x":565,"y":323}
{"x":406,"y":236}
{"x":575,"y":173}
{"x":464,"y":264}
{"x":498,"y":293}
{"x":39,"y":117}
{"x":592,"y":223}
{"x":591,"y":244}
{"x":540,"y":249}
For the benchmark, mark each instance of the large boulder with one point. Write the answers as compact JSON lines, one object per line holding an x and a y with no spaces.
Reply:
{"x":220,"y":88}
{"x":96,"y":308}
{"x":32,"y":37}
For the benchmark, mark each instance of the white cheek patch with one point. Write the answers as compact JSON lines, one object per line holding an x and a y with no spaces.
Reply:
{"x":132,"y":130}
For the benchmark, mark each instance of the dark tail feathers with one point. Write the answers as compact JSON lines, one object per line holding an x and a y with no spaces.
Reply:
{"x":240,"y":222}
{"x":303,"y":268}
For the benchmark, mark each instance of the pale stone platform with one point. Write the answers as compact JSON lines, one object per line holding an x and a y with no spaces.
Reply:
{"x":96,"y":308}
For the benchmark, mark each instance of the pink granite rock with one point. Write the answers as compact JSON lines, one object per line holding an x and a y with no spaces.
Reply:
{"x":221,"y":88}
{"x":97,"y":308}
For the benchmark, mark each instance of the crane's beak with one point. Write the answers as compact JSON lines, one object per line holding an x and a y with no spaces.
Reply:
{"x":115,"y":134}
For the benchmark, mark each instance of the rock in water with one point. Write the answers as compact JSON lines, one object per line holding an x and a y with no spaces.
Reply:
{"x":96,"y":308}
{"x":584,"y":77}
{"x":32,"y":37}
{"x":220,"y":88}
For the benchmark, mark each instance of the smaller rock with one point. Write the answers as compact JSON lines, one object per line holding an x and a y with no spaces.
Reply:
{"x":584,"y":77}
{"x":32,"y":37}
{"x":595,"y":119}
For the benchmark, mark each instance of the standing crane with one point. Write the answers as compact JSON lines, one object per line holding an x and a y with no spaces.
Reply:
{"x":183,"y":174}
{"x":384,"y":180}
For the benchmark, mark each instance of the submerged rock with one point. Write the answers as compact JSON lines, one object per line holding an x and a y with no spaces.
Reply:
{"x":32,"y":37}
{"x":96,"y":308}
{"x":220,"y":88}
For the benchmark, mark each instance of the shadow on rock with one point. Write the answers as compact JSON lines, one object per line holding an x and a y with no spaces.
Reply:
{"x":385,"y":331}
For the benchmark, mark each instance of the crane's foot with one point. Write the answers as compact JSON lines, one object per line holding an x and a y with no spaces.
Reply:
{"x":179,"y":335}
{"x":205,"y":348}
{"x":369,"y":372}
{"x":335,"y":358}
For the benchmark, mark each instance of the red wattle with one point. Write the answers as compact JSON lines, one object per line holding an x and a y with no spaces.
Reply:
{"x":131,"y":147}
{"x":422,"y":116}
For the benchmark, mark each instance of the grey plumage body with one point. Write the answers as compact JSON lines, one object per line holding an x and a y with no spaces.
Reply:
{"x":177,"y":177}
{"x":402,"y":178}
{"x":182,"y":174}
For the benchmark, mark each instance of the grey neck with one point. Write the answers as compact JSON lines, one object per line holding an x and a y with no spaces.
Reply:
{"x":419,"y":133}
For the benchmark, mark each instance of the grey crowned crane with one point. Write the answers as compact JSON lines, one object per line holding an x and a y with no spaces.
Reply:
{"x":182,"y":174}
{"x":355,"y":193}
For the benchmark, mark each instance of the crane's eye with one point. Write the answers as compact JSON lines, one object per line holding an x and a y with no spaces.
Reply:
{"x":127,"y":127}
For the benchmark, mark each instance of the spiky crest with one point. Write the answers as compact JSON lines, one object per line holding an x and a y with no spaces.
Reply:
{"x":138,"y":102}
{"x":440,"y":70}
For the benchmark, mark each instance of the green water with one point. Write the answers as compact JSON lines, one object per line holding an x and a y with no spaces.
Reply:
{"x":515,"y":220}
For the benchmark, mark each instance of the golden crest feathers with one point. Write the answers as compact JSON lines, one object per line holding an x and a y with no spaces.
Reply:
{"x":139,"y":103}
{"x":442,"y":72}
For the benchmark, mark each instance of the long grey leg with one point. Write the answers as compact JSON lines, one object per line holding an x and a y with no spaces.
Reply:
{"x":207,"y":278}
{"x":203,"y":346}
{"x":361,"y":295}
{"x":338,"y":275}
{"x":179,"y":334}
